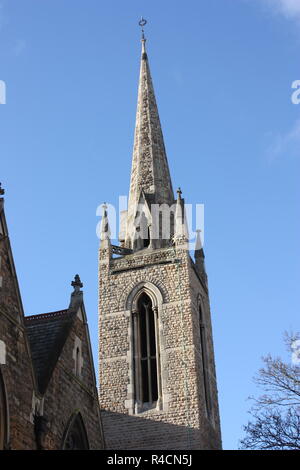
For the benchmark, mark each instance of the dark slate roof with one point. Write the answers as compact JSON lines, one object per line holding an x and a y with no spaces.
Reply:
{"x":47,"y":334}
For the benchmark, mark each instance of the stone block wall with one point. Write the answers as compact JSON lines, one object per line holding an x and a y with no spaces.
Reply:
{"x":181,"y":421}
{"x":15,"y":363}
{"x":68,"y":394}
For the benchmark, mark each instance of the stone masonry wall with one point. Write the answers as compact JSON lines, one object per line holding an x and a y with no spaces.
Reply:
{"x":182,"y":421}
{"x":68,"y":394}
{"x":15,"y":363}
{"x":199,"y":294}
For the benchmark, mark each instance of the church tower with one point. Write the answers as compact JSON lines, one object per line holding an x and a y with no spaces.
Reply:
{"x":157,"y":380}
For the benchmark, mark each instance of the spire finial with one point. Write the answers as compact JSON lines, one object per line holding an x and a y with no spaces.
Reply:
{"x":77,"y":284}
{"x":142,"y":23}
{"x":179,"y":192}
{"x":2,"y":191}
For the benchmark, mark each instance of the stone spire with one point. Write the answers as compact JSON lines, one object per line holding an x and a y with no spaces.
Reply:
{"x":150,"y":171}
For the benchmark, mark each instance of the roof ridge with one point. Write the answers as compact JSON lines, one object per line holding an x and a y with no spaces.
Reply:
{"x":45,"y":316}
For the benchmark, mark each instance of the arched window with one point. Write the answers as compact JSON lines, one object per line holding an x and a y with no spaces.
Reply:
{"x":75,"y":436}
{"x":3,"y":414}
{"x":146,"y":355}
{"x":204,"y":358}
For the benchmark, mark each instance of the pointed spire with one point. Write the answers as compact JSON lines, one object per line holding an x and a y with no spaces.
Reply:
{"x":2,"y":191}
{"x":150,"y":170}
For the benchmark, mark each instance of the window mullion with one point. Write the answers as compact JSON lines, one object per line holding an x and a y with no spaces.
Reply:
{"x":140,"y":339}
{"x":136,"y":356}
{"x":148,"y":351}
{"x":157,"y":354}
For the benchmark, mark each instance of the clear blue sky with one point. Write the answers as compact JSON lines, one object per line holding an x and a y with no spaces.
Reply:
{"x":222,"y":71}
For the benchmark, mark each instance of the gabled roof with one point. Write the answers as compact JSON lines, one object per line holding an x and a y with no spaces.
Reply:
{"x":47,"y":334}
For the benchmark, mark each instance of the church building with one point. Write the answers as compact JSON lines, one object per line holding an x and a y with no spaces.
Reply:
{"x":157,"y":381}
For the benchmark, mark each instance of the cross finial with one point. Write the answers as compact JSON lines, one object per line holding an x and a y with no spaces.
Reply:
{"x":2,"y":191}
{"x":77,"y":284}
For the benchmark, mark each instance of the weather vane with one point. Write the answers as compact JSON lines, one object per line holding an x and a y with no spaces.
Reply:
{"x":142,"y":23}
